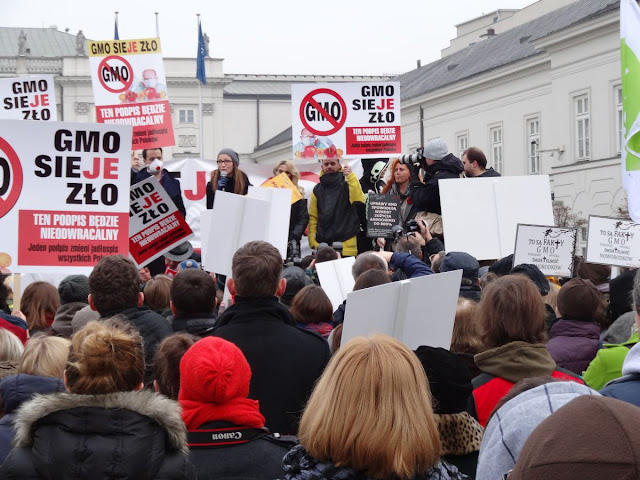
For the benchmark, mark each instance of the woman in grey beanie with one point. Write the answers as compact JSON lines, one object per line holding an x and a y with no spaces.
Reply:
{"x":228,"y":177}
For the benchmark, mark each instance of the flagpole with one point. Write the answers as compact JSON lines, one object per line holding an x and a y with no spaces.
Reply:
{"x":157,"y":26}
{"x":201,"y":140}
{"x":116,"y":35}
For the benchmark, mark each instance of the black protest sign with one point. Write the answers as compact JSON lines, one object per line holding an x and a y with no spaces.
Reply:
{"x":383,"y":212}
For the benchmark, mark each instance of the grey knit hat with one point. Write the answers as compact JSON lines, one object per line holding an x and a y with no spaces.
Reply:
{"x":74,"y":288}
{"x":232,"y":153}
{"x":436,"y":149}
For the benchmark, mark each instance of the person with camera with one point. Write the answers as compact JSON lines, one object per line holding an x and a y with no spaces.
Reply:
{"x":228,"y":177}
{"x":332,"y":213}
{"x":438,"y":164}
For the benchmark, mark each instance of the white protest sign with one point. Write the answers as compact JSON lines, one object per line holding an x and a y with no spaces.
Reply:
{"x":234,"y":221}
{"x":130,"y":88}
{"x":480,"y":215}
{"x":28,"y":98}
{"x":343,"y":120}
{"x":551,"y":249}
{"x":279,"y":214}
{"x":612,"y":241}
{"x":155,"y":224}
{"x":418,"y":311}
{"x":336,"y":279}
{"x":64,"y":195}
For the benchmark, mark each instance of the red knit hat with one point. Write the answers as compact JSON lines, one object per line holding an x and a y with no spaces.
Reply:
{"x":214,"y":385}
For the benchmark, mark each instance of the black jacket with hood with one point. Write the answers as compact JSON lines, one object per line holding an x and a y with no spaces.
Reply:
{"x":427,"y":196}
{"x":118,"y":435}
{"x":285,"y":360}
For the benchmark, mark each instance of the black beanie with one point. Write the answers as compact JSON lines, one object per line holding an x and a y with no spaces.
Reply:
{"x":535,"y":275}
{"x":449,"y":379}
{"x":74,"y":288}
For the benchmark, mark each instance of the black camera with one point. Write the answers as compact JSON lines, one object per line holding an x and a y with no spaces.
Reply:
{"x":412,"y":226}
{"x":417,"y":158}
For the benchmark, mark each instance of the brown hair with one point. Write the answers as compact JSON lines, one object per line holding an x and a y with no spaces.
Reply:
{"x":336,"y":338}
{"x":311,"y":305}
{"x":156,"y":292}
{"x":371,"y":411}
{"x":466,"y":335}
{"x":239,"y":180}
{"x":551,"y":298}
{"x":295,"y":174}
{"x":114,"y":284}
{"x":487,"y":278}
{"x":105,"y":357}
{"x":371,"y":278}
{"x":166,"y":363}
{"x":326,"y":254}
{"x":193,"y":291}
{"x":45,"y":356}
{"x":39,"y":301}
{"x":474,"y":154}
{"x":256,"y":269}
{"x":511,"y":310}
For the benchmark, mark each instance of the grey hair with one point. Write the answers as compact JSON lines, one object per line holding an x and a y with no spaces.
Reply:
{"x":11,"y":348}
{"x":367,"y":261}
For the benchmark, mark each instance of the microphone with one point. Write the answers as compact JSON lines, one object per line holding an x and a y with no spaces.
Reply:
{"x":222,"y":181}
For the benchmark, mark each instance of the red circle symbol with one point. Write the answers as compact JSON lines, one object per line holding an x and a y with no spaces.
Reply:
{"x":10,"y":177}
{"x":336,"y":123}
{"x":115,"y":74}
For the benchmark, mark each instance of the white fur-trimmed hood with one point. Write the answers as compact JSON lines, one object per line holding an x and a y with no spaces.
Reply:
{"x":159,"y":408}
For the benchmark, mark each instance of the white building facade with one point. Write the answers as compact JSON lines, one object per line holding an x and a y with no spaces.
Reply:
{"x":542,"y":96}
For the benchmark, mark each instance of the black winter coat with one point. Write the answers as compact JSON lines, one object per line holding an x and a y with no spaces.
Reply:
{"x":260,"y":458}
{"x":427,"y":196}
{"x":14,"y":391}
{"x":285,"y":360}
{"x":170,"y":184}
{"x":201,"y":325}
{"x":115,"y":436}
{"x":337,"y":217}
{"x":153,"y":328}
{"x":299,"y":219}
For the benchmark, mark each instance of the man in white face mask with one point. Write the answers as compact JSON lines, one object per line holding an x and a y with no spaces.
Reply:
{"x":154,"y":165}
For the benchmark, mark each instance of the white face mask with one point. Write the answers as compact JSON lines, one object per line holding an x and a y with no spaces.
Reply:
{"x":307,"y":141}
{"x":150,"y":82}
{"x":155,"y":167}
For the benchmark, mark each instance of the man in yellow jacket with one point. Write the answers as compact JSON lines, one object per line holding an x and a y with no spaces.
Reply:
{"x":332,"y":215}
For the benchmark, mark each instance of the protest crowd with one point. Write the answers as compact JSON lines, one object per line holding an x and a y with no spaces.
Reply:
{"x":153,"y":373}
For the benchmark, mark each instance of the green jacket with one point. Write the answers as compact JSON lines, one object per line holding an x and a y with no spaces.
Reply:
{"x":607,"y":365}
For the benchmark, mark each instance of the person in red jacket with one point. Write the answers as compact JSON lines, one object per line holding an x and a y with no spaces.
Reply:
{"x":511,"y":316}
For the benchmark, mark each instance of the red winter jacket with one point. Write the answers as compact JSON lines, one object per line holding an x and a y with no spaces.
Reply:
{"x":504,"y":366}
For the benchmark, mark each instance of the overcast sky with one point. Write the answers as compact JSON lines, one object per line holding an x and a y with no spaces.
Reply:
{"x":279,"y":36}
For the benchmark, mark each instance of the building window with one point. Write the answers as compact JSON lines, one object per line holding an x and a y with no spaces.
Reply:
{"x":186,"y":115}
{"x":583,"y":142}
{"x":462,"y":139}
{"x":533,"y":145}
{"x":495,"y":134}
{"x":619,"y":118}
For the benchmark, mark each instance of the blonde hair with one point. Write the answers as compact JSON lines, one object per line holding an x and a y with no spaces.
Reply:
{"x":39,"y":300}
{"x":371,"y":411}
{"x":105,"y":357}
{"x":11,"y":347}
{"x":295,"y":174}
{"x":45,"y":356}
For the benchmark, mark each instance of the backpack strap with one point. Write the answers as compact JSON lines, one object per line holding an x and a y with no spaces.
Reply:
{"x":220,"y":437}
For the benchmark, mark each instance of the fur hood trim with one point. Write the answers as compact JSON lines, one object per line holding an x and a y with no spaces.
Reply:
{"x":159,"y":408}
